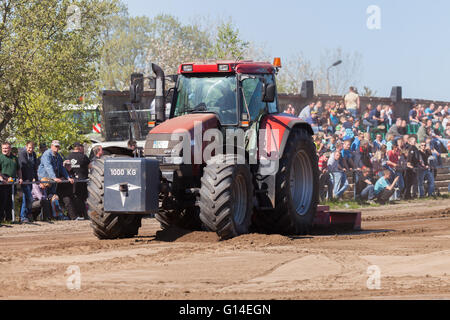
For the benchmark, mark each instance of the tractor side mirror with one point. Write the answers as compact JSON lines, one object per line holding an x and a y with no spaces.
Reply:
{"x":136,"y":87}
{"x":268,"y":92}
{"x":172,"y":77}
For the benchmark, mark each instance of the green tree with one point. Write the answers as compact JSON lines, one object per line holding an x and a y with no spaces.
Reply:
{"x":42,"y":120}
{"x":131,"y":44}
{"x":228,"y":44}
{"x":44,"y":60}
{"x":124,"y":42}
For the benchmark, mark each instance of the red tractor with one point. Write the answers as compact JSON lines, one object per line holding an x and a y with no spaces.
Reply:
{"x":226,"y":160}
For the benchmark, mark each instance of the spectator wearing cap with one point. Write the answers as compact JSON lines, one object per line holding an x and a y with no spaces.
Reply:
{"x":312,"y":119}
{"x":52,"y":166}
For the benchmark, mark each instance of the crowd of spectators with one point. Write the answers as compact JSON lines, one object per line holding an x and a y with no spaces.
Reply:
{"x":51,"y":184}
{"x":389,"y":158}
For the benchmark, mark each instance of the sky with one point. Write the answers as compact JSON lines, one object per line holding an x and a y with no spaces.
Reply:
{"x":410,"y":49}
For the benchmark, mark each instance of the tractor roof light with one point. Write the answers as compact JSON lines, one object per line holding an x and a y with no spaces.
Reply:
{"x":188,"y":68}
{"x":223,"y":67}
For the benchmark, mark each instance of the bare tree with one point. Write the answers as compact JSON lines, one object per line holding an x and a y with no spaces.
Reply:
{"x":171,"y":43}
{"x":294,"y":72}
{"x":298,"y":69}
{"x":341,"y":77}
{"x":368,"y":92}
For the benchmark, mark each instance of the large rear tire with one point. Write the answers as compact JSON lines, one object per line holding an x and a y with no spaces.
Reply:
{"x":107,"y":225}
{"x":297,"y":188}
{"x":226,"y":196}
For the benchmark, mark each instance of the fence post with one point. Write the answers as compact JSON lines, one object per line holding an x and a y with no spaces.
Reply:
{"x":13,"y":214}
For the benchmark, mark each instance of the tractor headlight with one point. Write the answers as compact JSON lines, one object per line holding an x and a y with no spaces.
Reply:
{"x":224,"y":67}
{"x":188,"y":68}
{"x":173,"y":160}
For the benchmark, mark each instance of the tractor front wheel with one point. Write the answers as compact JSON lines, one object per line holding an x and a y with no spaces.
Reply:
{"x":226,"y":196}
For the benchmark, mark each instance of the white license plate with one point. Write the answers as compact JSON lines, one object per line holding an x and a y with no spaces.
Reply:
{"x":160,"y":144}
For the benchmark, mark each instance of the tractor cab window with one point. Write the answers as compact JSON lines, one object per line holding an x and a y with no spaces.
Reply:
{"x":216,"y":94}
{"x":252,"y":96}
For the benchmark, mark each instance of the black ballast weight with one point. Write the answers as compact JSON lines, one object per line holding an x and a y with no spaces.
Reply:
{"x":131,"y":185}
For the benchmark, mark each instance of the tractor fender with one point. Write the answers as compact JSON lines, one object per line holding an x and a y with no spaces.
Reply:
{"x":278,"y":128}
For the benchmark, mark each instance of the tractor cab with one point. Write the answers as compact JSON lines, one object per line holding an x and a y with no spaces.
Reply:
{"x":237,"y":92}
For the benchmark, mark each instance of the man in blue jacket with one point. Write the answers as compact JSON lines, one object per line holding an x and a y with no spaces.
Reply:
{"x":52,"y":166}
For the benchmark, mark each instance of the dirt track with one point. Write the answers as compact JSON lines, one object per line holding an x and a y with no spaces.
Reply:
{"x":410,"y":243}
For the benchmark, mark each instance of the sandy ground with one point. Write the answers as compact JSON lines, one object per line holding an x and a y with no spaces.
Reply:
{"x":409,"y":244}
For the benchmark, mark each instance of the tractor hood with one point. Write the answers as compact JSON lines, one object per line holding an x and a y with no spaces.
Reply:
{"x":187,"y":122}
{"x":161,"y":142}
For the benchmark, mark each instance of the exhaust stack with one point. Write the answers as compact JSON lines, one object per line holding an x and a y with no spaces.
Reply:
{"x":160,"y":103}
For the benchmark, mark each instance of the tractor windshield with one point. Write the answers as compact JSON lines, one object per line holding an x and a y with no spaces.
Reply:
{"x":216,"y":94}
